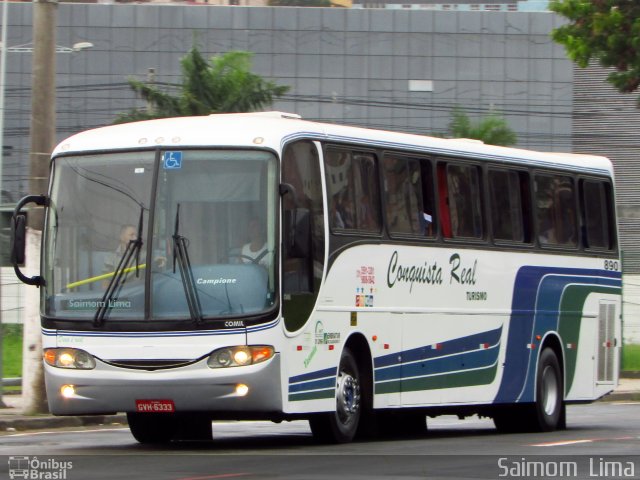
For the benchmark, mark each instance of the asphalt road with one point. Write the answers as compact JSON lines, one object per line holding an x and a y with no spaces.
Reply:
{"x":602,"y":441}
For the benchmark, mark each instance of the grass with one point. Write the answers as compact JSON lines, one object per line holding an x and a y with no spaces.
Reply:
{"x":631,"y":357}
{"x":11,"y":350}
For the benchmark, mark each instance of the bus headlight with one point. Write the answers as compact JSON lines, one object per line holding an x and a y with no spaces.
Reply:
{"x":240,"y":356}
{"x":69,"y":358}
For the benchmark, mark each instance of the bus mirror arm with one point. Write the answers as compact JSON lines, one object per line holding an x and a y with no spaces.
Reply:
{"x":287,"y":188}
{"x":19,"y":237}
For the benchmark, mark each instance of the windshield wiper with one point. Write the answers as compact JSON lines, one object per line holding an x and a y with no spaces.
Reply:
{"x":181,"y":255}
{"x":133,"y":249}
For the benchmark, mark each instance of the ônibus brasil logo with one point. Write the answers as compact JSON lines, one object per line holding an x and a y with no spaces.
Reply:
{"x":33,"y":468}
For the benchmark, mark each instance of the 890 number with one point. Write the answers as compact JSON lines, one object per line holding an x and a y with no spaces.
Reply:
{"x":612,"y":265}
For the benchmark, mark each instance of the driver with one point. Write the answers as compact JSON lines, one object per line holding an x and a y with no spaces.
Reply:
{"x":256,"y":250}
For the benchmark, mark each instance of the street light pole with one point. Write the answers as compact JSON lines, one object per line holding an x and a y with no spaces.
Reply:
{"x":43,"y":129}
{"x":3,"y":76}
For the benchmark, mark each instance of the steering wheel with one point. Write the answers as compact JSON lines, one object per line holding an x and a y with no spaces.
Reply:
{"x":242,"y":257}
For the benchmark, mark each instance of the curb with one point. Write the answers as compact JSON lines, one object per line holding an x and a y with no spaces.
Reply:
{"x":621,"y":397}
{"x":24,"y":423}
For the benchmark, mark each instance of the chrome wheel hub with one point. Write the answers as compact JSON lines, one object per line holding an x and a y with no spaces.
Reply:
{"x":549,"y":390}
{"x":348,"y":397}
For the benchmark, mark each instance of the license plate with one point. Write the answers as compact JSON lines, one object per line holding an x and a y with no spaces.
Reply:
{"x":155,"y":406}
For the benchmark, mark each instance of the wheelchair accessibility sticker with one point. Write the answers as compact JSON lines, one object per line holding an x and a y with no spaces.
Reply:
{"x":172,"y":160}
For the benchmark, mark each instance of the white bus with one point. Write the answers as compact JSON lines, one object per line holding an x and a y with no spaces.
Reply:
{"x":258,"y":266}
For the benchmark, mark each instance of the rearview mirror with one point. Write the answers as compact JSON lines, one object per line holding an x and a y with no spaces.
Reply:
{"x":18,"y":239}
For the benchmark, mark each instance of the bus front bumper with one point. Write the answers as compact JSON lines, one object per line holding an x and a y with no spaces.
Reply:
{"x":194,"y":388}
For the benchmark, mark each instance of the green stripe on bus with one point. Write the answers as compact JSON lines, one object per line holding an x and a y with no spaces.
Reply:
{"x":570,"y":319}
{"x":296,"y":397}
{"x":471,"y":378}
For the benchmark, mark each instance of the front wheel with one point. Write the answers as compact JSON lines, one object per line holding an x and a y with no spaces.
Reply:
{"x":341,"y":425}
{"x":152,"y":427}
{"x":163,"y":427}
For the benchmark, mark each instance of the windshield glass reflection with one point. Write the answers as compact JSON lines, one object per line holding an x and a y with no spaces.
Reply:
{"x":209,"y":253}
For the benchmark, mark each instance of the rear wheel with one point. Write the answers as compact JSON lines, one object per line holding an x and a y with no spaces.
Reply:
{"x":341,"y":425}
{"x":547,"y":413}
{"x":549,"y":405}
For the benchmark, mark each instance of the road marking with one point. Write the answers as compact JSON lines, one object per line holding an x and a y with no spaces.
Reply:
{"x":574,"y":442}
{"x":210,"y":477}
{"x":559,"y":444}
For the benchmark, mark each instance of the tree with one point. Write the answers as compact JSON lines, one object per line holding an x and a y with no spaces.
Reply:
{"x":605,"y":30}
{"x":492,"y":129}
{"x":223,"y":85}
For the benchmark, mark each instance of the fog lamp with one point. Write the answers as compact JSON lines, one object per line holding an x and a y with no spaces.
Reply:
{"x":242,"y":389}
{"x":68,"y":391}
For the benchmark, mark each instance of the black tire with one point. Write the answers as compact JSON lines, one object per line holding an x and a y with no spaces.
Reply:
{"x":341,"y":425}
{"x":512,"y":419}
{"x":152,"y":427}
{"x":163,"y":428}
{"x":549,"y":405}
{"x":402,"y":423}
{"x":548,"y":412}
{"x":193,"y":427}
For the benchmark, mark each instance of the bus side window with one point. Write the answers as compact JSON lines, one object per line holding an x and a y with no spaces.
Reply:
{"x":596,"y":215}
{"x":509,"y":205}
{"x":556,"y":219}
{"x":443,"y":201}
{"x":429,"y":214}
{"x":408,"y":186}
{"x":301,"y":267}
{"x":352,"y":183}
{"x":465,"y":202}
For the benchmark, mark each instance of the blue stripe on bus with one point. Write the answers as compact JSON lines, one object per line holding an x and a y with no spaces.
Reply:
{"x":550,"y":292}
{"x":449,"y":347}
{"x":327,"y":372}
{"x":436,"y":366}
{"x":520,"y":364}
{"x":313,"y":385}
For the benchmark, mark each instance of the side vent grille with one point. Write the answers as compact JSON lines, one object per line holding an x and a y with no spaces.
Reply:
{"x":606,"y":342}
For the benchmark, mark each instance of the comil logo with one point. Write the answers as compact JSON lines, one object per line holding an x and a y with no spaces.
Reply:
{"x":38,"y":469}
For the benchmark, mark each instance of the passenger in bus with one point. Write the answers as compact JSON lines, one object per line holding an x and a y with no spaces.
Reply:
{"x":127,"y":233}
{"x":341,"y":211}
{"x":256,"y":250}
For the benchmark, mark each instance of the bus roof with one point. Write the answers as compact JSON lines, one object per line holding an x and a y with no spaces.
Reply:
{"x":274,"y":129}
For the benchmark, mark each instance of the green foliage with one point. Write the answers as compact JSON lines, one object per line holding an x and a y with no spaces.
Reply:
{"x":299,"y":3}
{"x":492,"y":130}
{"x":223,"y":85}
{"x":11,"y":350}
{"x":603,"y":30}
{"x":631,"y":357}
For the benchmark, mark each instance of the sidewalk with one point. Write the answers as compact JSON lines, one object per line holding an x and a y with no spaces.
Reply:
{"x":12,"y":419}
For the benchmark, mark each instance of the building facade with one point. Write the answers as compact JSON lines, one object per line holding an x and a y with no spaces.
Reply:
{"x":384,"y":68}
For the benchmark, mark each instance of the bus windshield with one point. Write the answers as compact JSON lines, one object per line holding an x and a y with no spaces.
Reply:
{"x":170,"y":235}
